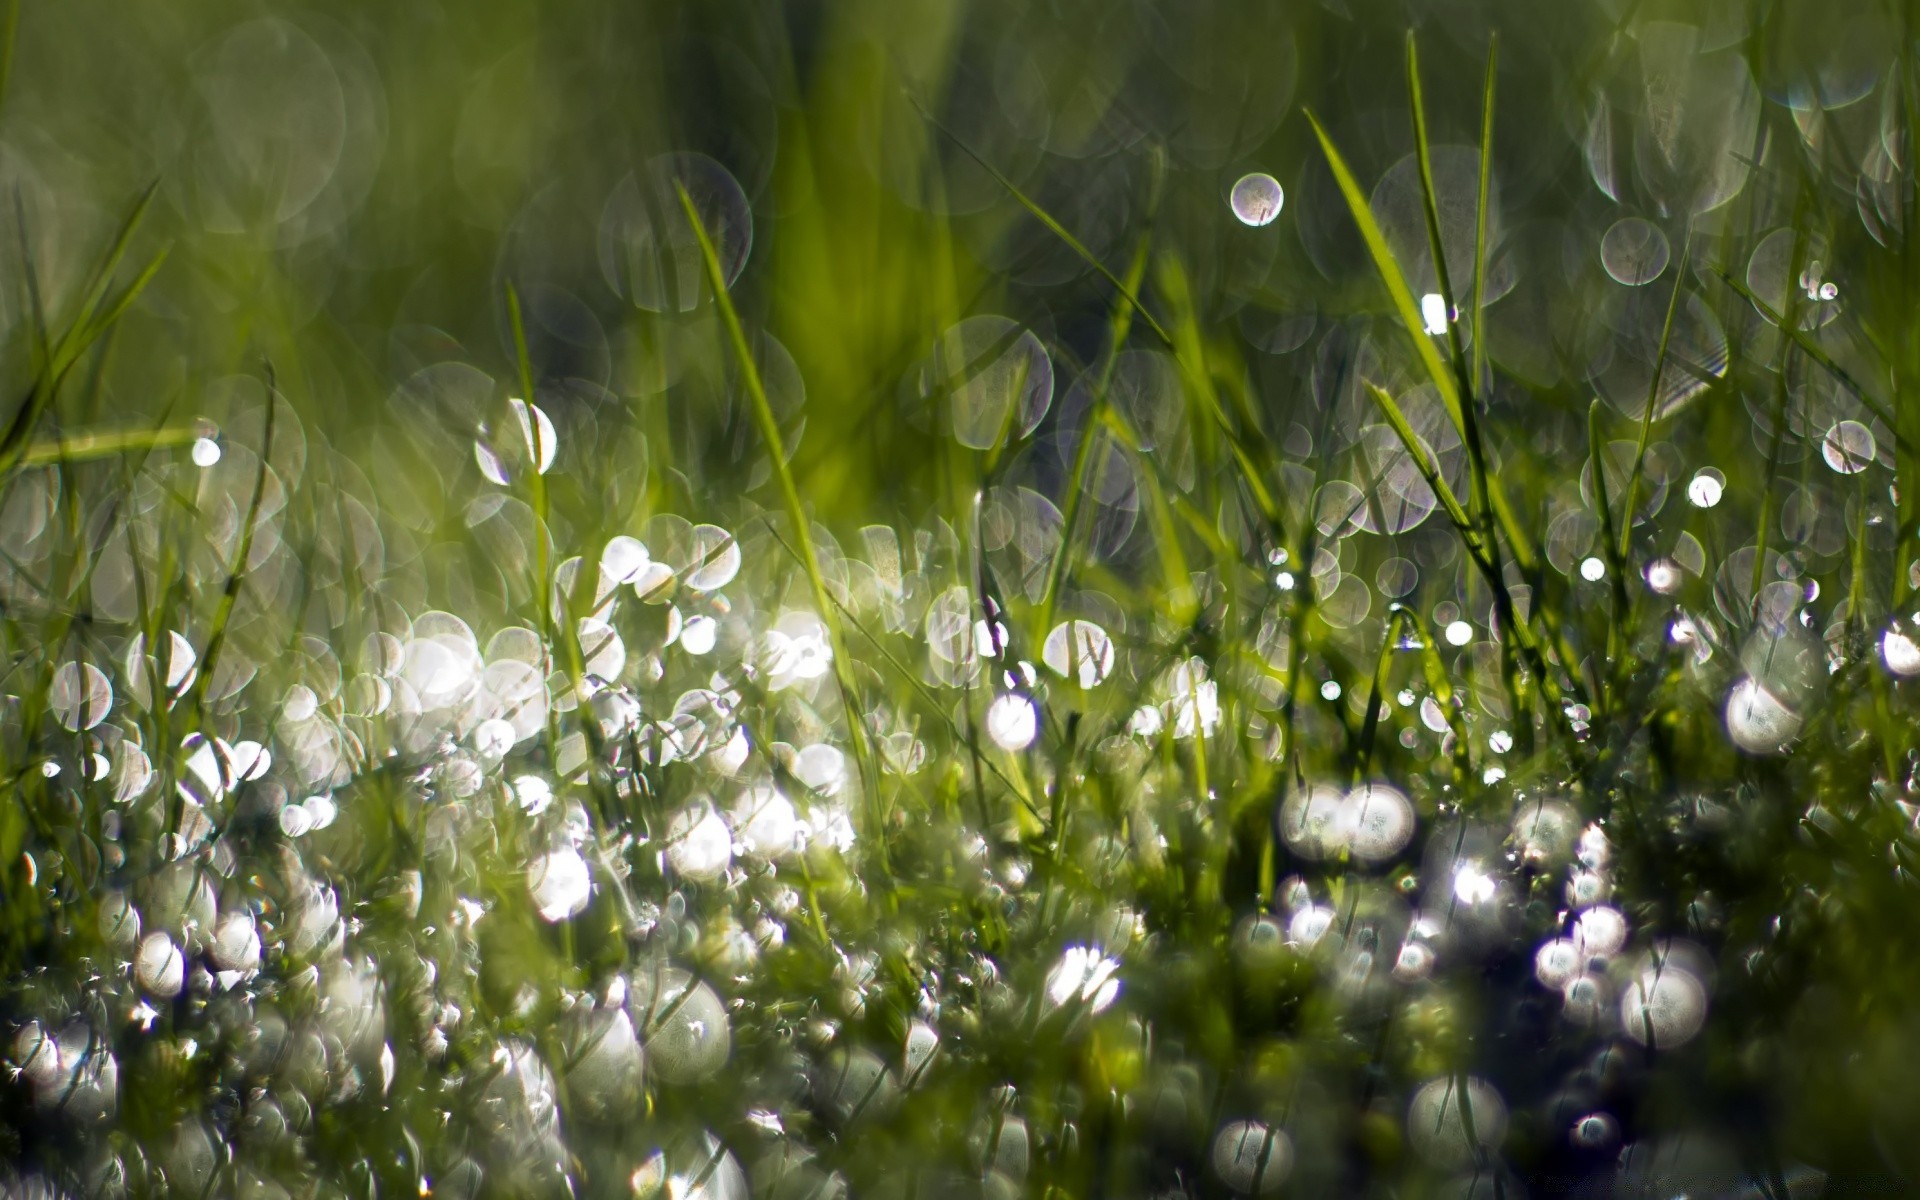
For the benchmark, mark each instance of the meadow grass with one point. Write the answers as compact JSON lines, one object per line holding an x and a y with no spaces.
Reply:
{"x":810,"y":601}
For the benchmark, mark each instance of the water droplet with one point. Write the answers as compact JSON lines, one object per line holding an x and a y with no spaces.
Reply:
{"x":503,"y":458}
{"x":1257,"y":199}
{"x":1251,"y":1158}
{"x":1085,"y":976}
{"x":205,"y":452}
{"x":765,"y":822}
{"x":1900,"y":652}
{"x":1664,"y":1006}
{"x":649,"y":252}
{"x":1848,"y":447}
{"x":1437,"y":1128}
{"x":1634,"y":251}
{"x":699,"y":845}
{"x":1706,"y":487}
{"x":715,"y":559}
{"x":560,"y":884}
{"x":1079,"y":650}
{"x":1758,"y":721}
{"x":994,"y":378}
{"x":80,"y":695}
{"x":159,"y":966}
{"x":682,"y":1021}
{"x":1012,"y":721}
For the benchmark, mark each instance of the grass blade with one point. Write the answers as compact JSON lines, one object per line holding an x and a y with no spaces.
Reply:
{"x":1121,"y":324}
{"x":105,"y":443}
{"x":1401,"y":296}
{"x":88,"y":324}
{"x":1429,"y":469}
{"x":1479,"y":306}
{"x":1813,"y":350}
{"x":1046,"y":218}
{"x":1430,"y":206}
{"x":790,"y":495}
{"x":1653,"y":396}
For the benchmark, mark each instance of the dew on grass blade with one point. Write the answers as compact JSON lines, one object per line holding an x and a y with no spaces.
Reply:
{"x":714,"y":561}
{"x":604,"y":1060}
{"x":80,"y":695}
{"x":1900,"y":650}
{"x":1079,"y":650}
{"x":993,"y":378}
{"x":1012,"y":721}
{"x":1083,"y":976}
{"x":1314,"y":821}
{"x":1758,"y":721}
{"x":650,"y":253}
{"x":923,"y":1042}
{"x":1252,"y":1158}
{"x":1257,"y":199}
{"x":1380,"y":822}
{"x":1706,"y":488}
{"x":1437,"y":1126}
{"x":159,"y":967}
{"x":682,"y":1022}
{"x":1664,"y":1006}
{"x":1848,"y":447}
{"x":1634,"y":251}
{"x":765,"y":822}
{"x":504,"y":457}
{"x":623,"y":559}
{"x":1787,"y":273}
{"x":699,"y":845}
{"x":205,"y":452}
{"x":560,"y":884}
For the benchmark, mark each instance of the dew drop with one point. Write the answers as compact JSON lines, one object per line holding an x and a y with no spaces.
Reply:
{"x":1257,"y":199}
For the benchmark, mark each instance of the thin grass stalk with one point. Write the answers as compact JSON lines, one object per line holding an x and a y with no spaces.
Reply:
{"x":796,"y":512}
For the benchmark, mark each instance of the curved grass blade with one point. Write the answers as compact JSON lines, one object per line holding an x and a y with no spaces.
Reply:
{"x":88,"y":324}
{"x":1398,"y":292}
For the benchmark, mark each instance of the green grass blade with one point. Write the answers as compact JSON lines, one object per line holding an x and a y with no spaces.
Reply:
{"x":1046,"y":218}
{"x":790,"y":495}
{"x":105,"y":443}
{"x":1189,"y":351}
{"x":102,"y":279}
{"x":1121,"y":324}
{"x":567,"y":635}
{"x":1430,"y":207}
{"x":1653,"y":396}
{"x":1813,"y":350}
{"x":236,"y":579}
{"x":87,"y":327}
{"x":1483,"y":203}
{"x":1429,"y":469}
{"x":1401,"y":296}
